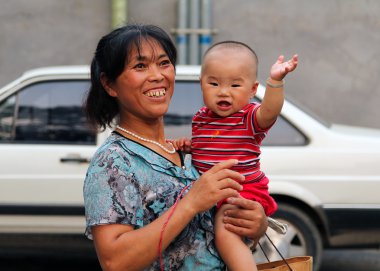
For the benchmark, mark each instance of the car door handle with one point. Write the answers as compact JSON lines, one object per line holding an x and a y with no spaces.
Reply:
{"x":74,"y":159}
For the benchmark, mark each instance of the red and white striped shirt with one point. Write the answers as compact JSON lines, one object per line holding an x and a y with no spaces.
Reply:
{"x":215,"y":139}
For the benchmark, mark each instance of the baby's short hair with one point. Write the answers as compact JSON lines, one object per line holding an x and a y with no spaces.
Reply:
{"x":232,"y":44}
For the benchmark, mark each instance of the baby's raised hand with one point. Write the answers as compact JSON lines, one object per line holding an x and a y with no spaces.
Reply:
{"x":280,"y":69}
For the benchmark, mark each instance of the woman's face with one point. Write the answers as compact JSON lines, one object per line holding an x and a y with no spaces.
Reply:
{"x":145,"y":87}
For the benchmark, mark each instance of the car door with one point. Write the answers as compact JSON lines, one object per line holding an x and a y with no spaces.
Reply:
{"x":45,"y":147}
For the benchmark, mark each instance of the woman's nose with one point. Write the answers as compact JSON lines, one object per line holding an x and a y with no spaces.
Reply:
{"x":155,"y":74}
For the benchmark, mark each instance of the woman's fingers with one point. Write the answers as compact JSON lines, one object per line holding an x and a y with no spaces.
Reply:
{"x":222,"y":165}
{"x":224,"y":179}
{"x":218,"y":188}
{"x":221,"y":171}
{"x":229,"y":174}
{"x":228,"y":183}
{"x":215,"y":185}
{"x":244,"y":203}
{"x":248,"y":220}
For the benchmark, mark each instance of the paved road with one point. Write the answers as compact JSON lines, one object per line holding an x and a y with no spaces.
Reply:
{"x":351,"y":260}
{"x":347,"y":260}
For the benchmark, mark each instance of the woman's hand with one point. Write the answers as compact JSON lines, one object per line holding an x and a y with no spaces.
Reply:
{"x":214,"y":185}
{"x":249,"y":220}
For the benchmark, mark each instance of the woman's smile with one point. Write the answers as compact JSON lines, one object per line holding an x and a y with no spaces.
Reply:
{"x":156,"y":93}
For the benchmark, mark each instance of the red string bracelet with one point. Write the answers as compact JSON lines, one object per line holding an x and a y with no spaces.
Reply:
{"x":166,"y":222}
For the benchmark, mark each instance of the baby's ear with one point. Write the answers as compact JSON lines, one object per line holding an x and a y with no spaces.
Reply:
{"x":254,"y":89}
{"x":201,"y":83}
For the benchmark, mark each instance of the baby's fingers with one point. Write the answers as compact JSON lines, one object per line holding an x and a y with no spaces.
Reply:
{"x":292,"y":63}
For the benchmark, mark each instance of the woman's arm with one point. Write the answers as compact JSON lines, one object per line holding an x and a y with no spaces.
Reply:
{"x":120,"y":247}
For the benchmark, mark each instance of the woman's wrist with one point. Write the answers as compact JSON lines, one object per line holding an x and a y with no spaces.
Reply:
{"x":187,"y":207}
{"x":275,"y":83}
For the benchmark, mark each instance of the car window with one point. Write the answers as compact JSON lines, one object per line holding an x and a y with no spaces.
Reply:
{"x":186,"y":100}
{"x":48,"y":112}
{"x":283,"y":133}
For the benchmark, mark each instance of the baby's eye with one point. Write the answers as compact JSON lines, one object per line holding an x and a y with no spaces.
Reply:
{"x":213,"y":84}
{"x":235,"y":85}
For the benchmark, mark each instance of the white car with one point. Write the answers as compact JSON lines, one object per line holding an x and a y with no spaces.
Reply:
{"x":326,"y":179}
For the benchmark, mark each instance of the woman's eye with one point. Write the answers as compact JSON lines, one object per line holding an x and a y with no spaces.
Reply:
{"x":165,"y":63}
{"x":139,"y":66}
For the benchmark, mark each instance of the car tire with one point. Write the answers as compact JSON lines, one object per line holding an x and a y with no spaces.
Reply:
{"x":302,"y":237}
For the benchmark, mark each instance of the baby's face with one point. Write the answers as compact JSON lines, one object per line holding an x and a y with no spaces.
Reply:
{"x":228,"y":80}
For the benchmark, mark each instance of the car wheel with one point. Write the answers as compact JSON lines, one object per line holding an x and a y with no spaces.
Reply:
{"x":301,"y":238}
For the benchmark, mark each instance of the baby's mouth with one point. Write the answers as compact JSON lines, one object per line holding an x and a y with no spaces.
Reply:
{"x":156,"y":93}
{"x":223,"y":104}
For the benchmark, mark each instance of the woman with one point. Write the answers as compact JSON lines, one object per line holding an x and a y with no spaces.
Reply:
{"x":136,"y":176}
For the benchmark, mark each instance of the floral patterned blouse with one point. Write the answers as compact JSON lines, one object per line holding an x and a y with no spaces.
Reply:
{"x":127,"y":183}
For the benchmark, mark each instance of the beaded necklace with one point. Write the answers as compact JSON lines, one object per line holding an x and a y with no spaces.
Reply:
{"x":148,"y":140}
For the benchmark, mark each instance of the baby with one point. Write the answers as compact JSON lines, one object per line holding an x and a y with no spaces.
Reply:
{"x":229,"y":126}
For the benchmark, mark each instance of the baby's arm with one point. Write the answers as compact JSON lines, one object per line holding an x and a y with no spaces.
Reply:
{"x":182,"y":144}
{"x":274,"y":94}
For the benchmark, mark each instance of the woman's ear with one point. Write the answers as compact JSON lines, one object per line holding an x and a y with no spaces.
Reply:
{"x":107,"y":85}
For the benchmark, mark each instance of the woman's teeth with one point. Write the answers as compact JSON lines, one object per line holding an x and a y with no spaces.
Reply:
{"x":156,"y":93}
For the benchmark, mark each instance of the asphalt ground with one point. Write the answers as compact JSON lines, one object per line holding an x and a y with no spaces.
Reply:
{"x":333,"y":260}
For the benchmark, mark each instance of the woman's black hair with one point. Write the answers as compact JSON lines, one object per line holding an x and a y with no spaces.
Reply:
{"x":110,"y":58}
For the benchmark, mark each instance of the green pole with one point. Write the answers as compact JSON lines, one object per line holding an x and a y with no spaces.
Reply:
{"x":119,"y":13}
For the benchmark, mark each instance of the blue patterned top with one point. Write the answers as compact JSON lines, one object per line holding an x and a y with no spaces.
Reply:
{"x":127,"y":183}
